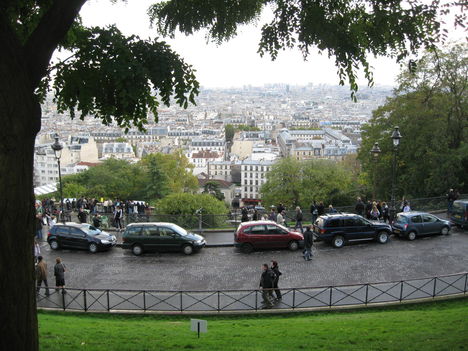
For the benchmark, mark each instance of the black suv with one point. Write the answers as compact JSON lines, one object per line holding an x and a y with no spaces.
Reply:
{"x":337,"y":229}
{"x":79,"y":236}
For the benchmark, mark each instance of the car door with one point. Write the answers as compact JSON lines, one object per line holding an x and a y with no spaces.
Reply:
{"x":276,"y":236}
{"x":62,"y":233}
{"x":417,"y":224}
{"x":77,"y":238}
{"x":149,"y":237}
{"x":169,"y":240}
{"x":258,"y":236}
{"x":431,"y":225}
{"x":352,"y":227}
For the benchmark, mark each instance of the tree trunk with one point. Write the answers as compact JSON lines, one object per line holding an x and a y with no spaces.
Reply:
{"x":20,"y":118}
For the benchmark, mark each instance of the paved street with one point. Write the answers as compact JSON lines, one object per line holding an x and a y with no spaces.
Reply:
{"x":226,"y":268}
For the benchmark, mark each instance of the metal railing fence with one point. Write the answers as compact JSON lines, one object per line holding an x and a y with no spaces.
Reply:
{"x":114,"y":300}
{"x":231,"y":220}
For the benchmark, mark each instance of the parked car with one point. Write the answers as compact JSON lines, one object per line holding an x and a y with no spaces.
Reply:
{"x":340,"y":228}
{"x":141,"y":237}
{"x":79,"y":236}
{"x":459,"y":215}
{"x":266,"y":235}
{"x":413,"y":224}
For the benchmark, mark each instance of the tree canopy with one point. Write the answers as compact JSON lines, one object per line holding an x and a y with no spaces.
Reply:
{"x":430,"y":106}
{"x":298,"y":183}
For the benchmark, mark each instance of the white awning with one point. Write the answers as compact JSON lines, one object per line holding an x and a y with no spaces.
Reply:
{"x":45,"y":189}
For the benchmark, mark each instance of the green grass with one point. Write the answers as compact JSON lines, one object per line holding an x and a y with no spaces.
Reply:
{"x":441,"y":325}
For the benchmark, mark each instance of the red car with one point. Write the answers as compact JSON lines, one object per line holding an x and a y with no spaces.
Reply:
{"x":266,"y":235}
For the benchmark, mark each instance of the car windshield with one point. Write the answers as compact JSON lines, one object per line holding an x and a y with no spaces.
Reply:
{"x":401,"y":219}
{"x":90,"y":230}
{"x":179,"y":230}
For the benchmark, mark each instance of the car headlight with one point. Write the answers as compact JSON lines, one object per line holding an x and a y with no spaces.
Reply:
{"x":105,"y":242}
{"x":199,"y":241}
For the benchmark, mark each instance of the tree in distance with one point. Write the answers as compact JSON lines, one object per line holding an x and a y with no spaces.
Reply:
{"x":121,"y":79}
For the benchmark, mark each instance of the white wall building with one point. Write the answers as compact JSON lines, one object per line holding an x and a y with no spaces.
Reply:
{"x":253,"y":176}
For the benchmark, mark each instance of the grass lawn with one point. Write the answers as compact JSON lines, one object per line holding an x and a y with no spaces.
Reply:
{"x":441,"y":325}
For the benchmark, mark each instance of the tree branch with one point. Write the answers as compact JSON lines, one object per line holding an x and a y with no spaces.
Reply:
{"x":43,"y":41}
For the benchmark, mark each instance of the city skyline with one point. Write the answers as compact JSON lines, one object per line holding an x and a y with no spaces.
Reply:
{"x":235,"y":63}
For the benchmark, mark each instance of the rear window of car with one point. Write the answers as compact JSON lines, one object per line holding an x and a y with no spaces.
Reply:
{"x":459,"y":207}
{"x":255,"y":229}
{"x":133,"y":231}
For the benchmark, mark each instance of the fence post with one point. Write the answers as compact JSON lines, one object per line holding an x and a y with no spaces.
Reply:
{"x":108,"y":301}
{"x":200,"y":222}
{"x":63,"y":298}
{"x":401,"y":290}
{"x":256,"y":298}
{"x":331,"y":294}
{"x":434,"y":290}
{"x":181,"y":305}
{"x":84,"y":300}
{"x":218,"y":302}
{"x":367,"y":293}
{"x":144,"y":300}
{"x":466,"y":280}
{"x":294,"y":298}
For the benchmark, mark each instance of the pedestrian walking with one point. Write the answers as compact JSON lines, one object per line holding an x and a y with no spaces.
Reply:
{"x":244,"y":214}
{"x":266,"y":283}
{"x":359,"y":207}
{"x":59,"y":273}
{"x":82,"y":215}
{"x":274,"y":267}
{"x":37,"y":251}
{"x":385,"y":212}
{"x":374,"y":213}
{"x":41,"y":275}
{"x":308,"y":243}
{"x":272,"y":216}
{"x":314,"y":211}
{"x":298,"y":219}
{"x":38,"y":226}
{"x":321,"y":208}
{"x":451,"y":197}
{"x":406,"y":207}
{"x":118,"y":215}
{"x":280,"y":218}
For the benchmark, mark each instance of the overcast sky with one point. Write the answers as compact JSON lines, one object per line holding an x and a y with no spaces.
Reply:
{"x":235,"y":63}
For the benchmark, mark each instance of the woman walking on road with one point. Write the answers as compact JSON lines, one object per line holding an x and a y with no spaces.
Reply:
{"x":59,"y":273}
{"x":274,"y":267}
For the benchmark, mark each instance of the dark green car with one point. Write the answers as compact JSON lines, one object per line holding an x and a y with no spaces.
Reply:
{"x":141,"y":237}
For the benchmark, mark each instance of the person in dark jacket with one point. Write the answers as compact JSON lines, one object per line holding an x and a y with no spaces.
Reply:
{"x":82,"y":216}
{"x":97,"y":220}
{"x":41,"y":275}
{"x":59,"y":273}
{"x":308,"y":243}
{"x":245,"y":214}
{"x":320,"y":208}
{"x":360,"y":207}
{"x":274,"y":267}
{"x":368,"y":209}
{"x":281,"y":208}
{"x":266,"y":283}
{"x":314,"y":212}
{"x":299,"y":218}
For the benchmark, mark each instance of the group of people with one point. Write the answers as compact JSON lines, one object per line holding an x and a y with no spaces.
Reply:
{"x":269,"y":284}
{"x":42,"y":273}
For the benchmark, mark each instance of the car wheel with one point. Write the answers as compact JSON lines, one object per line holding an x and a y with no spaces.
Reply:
{"x":246,"y":248}
{"x":137,"y":250}
{"x":54,"y":245}
{"x":293,"y":245}
{"x":338,"y":241}
{"x":411,"y":235}
{"x":382,"y":237}
{"x":93,"y":248}
{"x":187,"y":249}
{"x":445,"y":230}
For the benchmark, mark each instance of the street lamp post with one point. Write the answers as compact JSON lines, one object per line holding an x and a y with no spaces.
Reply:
{"x":57,"y":147}
{"x":375,"y":152}
{"x":396,"y":136}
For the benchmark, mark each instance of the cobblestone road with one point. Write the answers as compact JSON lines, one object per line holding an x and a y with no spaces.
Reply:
{"x":227,"y":268}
